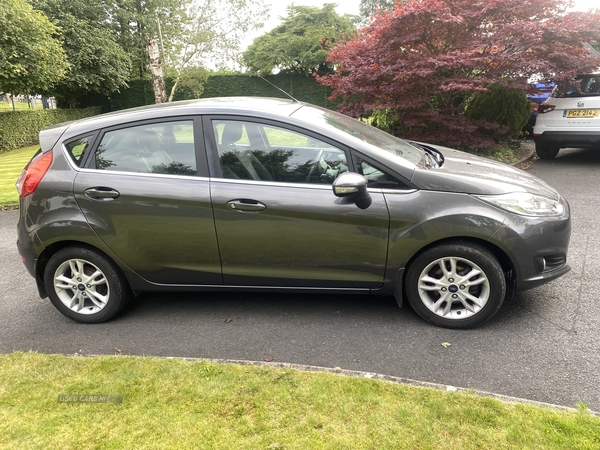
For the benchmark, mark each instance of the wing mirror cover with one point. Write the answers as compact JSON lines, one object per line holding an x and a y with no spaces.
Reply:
{"x":353,"y":185}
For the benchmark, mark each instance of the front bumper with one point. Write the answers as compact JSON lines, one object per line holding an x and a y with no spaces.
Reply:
{"x":540,"y":279}
{"x":537,"y":247}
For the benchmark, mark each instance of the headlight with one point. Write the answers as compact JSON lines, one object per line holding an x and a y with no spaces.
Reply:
{"x":525,"y":204}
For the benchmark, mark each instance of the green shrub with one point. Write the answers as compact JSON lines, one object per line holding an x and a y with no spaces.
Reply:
{"x":501,"y":105}
{"x":384,"y":119}
{"x":21,"y":128}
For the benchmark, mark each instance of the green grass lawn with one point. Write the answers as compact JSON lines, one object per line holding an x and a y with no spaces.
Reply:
{"x":173,"y":403}
{"x":19,"y":106}
{"x":11,"y":166}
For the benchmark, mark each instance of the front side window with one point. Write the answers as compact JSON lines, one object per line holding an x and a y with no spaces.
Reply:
{"x":165,"y":147}
{"x":260,"y":152}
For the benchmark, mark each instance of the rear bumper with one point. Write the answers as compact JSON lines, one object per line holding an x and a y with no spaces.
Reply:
{"x":563,"y":139}
{"x":26,"y":243}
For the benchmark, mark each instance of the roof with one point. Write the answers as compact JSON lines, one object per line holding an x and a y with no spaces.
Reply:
{"x":265,"y":106}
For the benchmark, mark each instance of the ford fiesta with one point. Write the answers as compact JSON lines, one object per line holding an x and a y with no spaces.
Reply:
{"x":258,"y":194}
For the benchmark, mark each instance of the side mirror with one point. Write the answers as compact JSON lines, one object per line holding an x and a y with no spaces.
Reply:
{"x":354,"y":185}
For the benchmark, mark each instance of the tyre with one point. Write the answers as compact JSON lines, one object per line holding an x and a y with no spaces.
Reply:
{"x":545,"y":151}
{"x":456,"y":285}
{"x":84,"y":285}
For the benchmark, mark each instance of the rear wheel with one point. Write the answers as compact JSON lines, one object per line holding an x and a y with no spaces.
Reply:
{"x":546,"y":151}
{"x":456,"y":285}
{"x":85,"y":285}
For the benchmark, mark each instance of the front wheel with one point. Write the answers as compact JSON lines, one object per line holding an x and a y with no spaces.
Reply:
{"x":85,"y":285}
{"x":545,"y":151}
{"x":456,"y":285}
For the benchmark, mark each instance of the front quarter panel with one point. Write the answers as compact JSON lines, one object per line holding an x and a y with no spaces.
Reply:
{"x":421,"y":218}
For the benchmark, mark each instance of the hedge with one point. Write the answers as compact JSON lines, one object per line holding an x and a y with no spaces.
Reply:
{"x":21,"y":128}
{"x":139,"y":92}
{"x":303,"y":88}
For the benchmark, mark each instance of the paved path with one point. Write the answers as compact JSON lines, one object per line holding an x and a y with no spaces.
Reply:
{"x":543,"y":346}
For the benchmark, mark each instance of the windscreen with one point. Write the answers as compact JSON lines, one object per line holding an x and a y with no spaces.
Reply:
{"x":366,"y":133}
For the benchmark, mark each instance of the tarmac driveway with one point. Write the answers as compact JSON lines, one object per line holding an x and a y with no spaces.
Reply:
{"x":544,"y":345}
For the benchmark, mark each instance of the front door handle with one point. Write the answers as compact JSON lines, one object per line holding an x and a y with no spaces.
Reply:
{"x":245,"y":204}
{"x":101,"y":193}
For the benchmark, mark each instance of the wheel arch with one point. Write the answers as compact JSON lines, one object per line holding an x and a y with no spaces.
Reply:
{"x":504,"y":260}
{"x":52,"y":249}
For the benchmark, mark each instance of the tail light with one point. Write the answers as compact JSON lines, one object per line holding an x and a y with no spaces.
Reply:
{"x":33,"y":174}
{"x":543,"y":108}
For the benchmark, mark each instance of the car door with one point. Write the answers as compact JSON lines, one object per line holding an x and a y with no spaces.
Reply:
{"x":145,"y":192}
{"x":277,"y":220}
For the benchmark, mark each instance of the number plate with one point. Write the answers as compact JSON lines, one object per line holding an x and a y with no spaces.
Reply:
{"x":574,"y":113}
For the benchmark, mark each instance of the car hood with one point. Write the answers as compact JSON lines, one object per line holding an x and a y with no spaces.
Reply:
{"x":466,"y":173}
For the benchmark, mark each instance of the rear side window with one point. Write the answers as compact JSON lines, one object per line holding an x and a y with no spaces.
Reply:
{"x":164,"y":147}
{"x":77,"y":148}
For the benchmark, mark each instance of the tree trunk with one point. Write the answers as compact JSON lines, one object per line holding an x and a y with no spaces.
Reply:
{"x":158,"y":81}
{"x":175,"y":85}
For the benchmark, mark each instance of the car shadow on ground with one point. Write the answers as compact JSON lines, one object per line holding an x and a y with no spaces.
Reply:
{"x":258,"y":307}
{"x":587,"y":156}
{"x":258,"y":304}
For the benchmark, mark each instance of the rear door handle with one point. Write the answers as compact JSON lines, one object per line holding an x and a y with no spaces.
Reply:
{"x":101,"y":193}
{"x":246,"y":205}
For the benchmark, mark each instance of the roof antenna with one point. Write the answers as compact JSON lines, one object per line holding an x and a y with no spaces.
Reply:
{"x":278,"y":88}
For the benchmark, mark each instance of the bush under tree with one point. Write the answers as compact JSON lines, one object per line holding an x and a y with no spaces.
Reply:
{"x":507,"y":107}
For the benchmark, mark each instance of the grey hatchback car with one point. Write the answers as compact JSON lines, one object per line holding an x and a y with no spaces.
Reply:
{"x":257,"y":194}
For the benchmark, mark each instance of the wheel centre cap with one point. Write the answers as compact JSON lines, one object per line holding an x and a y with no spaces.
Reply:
{"x":453,"y":288}
{"x":81,"y":287}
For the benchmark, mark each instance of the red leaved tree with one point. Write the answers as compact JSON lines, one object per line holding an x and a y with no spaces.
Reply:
{"x":427,"y":58}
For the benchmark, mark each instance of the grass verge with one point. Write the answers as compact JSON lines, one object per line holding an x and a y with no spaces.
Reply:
{"x":172,"y":403}
{"x":19,"y":106}
{"x":11,"y":166}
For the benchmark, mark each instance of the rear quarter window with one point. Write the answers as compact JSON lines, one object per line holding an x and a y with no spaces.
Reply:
{"x":78,"y":147}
